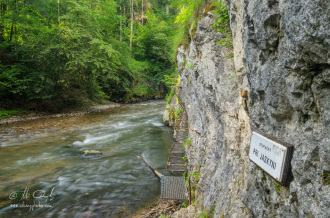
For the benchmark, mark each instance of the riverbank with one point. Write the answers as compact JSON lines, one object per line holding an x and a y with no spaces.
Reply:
{"x":76,"y":111}
{"x":45,"y":122}
{"x":161,"y":208}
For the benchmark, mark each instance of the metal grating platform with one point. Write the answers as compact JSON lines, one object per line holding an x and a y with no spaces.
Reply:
{"x":173,"y":188}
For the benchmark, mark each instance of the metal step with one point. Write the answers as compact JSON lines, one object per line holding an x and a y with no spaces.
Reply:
{"x":175,"y":160}
{"x":176,"y":168}
{"x":173,"y":188}
{"x":177,"y":148}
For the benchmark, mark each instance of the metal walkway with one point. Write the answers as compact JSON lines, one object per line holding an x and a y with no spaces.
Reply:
{"x":176,"y":164}
{"x":174,"y":188}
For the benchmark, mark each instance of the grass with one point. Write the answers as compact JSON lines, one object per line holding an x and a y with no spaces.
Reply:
{"x":9,"y":113}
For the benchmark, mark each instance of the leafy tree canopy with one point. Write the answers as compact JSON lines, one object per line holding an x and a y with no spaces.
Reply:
{"x":60,"y":51}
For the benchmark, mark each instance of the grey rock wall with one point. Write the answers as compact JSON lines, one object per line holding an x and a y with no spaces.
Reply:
{"x":281,"y":57}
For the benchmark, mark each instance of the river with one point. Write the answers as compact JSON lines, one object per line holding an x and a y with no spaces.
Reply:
{"x":44,"y":174}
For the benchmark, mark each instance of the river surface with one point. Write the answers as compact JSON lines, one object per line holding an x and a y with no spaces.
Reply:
{"x":44,"y":174}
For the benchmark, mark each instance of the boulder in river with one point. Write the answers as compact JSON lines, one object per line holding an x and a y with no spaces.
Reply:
{"x":91,"y":153}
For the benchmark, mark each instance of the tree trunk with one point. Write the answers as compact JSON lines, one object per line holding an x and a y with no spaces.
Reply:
{"x":124,"y":21}
{"x":14,"y":24}
{"x":150,"y":167}
{"x":131,"y":39}
{"x":142,"y":14}
{"x":11,"y":31}
{"x":58,"y":12}
{"x":121,"y":26}
{"x":2,"y":25}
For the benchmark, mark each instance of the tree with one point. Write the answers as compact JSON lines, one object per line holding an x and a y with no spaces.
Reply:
{"x":142,"y":16}
{"x":55,"y":52}
{"x":132,"y":17}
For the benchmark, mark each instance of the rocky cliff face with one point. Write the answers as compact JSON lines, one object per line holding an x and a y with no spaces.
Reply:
{"x":281,"y":58}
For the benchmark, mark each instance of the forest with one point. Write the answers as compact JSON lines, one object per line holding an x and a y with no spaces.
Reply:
{"x":58,"y":53}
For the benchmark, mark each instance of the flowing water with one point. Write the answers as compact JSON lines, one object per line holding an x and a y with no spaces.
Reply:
{"x":45,"y":175}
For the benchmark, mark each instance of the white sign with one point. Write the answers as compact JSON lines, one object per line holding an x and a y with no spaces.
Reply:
{"x":268,"y":154}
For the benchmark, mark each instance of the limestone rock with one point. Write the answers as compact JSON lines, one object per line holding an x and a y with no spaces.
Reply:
{"x":281,"y":58}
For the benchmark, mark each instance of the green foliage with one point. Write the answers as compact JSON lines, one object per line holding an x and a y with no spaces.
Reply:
{"x":171,"y":113}
{"x":54,"y":51}
{"x":229,"y":56}
{"x":188,"y":16}
{"x":185,"y":175}
{"x":203,"y":214}
{"x":185,"y":158}
{"x":191,"y":66}
{"x":187,"y":142}
{"x":208,"y":212}
{"x":195,"y":175}
{"x":227,"y":41}
{"x":232,"y":77}
{"x":278,"y":187}
{"x":171,"y":80}
{"x":185,"y":204}
{"x":222,"y":23}
{"x":254,"y":178}
{"x":170,"y":96}
{"x":195,"y":200}
{"x":184,"y":60}
{"x":188,"y":8}
{"x":326,"y":177}
{"x":6,"y":114}
{"x":153,"y":45}
{"x":178,"y":112}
